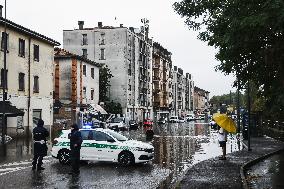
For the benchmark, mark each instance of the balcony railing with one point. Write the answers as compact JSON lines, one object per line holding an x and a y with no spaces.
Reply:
{"x":156,"y":65}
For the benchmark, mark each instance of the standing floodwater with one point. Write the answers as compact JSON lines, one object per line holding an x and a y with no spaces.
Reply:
{"x":180,"y":145}
{"x":177,"y":147}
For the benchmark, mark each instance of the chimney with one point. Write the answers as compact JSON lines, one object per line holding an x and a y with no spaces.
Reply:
{"x":1,"y":7}
{"x":100,"y":24}
{"x":121,"y":25}
{"x":81,"y":25}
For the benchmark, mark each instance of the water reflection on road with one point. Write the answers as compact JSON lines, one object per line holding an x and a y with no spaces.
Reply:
{"x":17,"y":149}
{"x":180,"y":145}
{"x":177,"y":147}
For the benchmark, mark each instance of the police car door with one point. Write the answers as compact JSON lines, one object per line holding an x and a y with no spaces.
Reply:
{"x":88,"y":149}
{"x":105,"y":146}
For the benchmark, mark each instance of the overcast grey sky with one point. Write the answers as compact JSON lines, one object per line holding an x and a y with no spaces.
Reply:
{"x":51,"y":17}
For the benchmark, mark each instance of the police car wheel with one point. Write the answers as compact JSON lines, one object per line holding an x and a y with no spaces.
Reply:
{"x":126,"y":158}
{"x":64,"y":156}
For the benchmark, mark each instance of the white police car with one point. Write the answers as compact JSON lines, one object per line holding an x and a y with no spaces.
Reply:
{"x":103,"y":145}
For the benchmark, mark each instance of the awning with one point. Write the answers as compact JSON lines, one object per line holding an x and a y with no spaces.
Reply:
{"x":98,"y":108}
{"x":9,"y":110}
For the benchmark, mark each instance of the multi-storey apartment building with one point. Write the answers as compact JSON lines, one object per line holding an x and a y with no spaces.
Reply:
{"x":189,"y":93}
{"x":183,"y":92}
{"x":201,"y":100}
{"x":162,"y":81}
{"x":178,"y":88}
{"x":128,"y":54}
{"x":76,"y":84}
{"x":29,"y":76}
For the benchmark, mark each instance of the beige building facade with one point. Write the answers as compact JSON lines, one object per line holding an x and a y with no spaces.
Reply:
{"x":29,"y":75}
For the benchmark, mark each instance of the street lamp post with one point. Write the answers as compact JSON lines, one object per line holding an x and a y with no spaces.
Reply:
{"x":248,"y":89}
{"x":238,"y":107}
{"x":4,"y":80}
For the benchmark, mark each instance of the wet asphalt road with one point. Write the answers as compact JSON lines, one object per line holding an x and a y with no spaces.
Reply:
{"x":177,"y":147}
{"x":267,"y":173}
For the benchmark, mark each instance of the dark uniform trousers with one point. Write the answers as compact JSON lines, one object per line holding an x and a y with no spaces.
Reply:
{"x":37,"y":160}
{"x":75,"y":159}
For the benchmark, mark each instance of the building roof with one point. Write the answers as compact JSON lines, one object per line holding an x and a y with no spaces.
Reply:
{"x":161,"y":48}
{"x":197,"y":89}
{"x":27,"y":31}
{"x":62,"y":54}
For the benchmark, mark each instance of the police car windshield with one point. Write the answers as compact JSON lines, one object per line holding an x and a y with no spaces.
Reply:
{"x":116,"y":135}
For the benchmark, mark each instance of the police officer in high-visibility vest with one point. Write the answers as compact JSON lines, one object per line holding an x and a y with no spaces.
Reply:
{"x":75,"y":146}
{"x":40,"y":148}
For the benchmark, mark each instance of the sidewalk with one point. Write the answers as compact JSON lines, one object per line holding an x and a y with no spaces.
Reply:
{"x":215,"y":173}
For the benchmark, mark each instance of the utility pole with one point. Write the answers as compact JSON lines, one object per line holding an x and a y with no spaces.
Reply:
{"x":230,"y":97}
{"x":249,"y":149}
{"x":238,"y":107}
{"x":4,"y":80}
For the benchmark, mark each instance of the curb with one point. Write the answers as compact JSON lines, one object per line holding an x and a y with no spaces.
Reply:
{"x":253,"y":162}
{"x":244,"y":144}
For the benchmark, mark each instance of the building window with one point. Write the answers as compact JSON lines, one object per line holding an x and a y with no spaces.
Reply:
{"x":84,"y":70}
{"x":2,"y":78}
{"x":36,"y":116}
{"x":84,"y":92}
{"x":93,"y":73}
{"x":36,"y":84}
{"x":21,"y":81}
{"x":102,"y":39}
{"x":36,"y":53}
{"x":3,"y":41}
{"x":85,"y":39}
{"x":85,"y":53}
{"x":129,"y":87}
{"x":102,"y":54}
{"x":92,"y":94}
{"x":21,"y":47}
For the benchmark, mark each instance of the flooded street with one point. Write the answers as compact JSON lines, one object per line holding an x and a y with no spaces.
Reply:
{"x":177,"y":147}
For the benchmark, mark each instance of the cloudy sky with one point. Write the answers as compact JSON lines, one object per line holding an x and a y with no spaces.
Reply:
{"x":51,"y":17}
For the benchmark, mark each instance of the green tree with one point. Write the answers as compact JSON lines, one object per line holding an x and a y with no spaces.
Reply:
{"x":104,"y":84}
{"x":228,"y":99}
{"x":257,"y":101}
{"x":249,"y":38}
{"x":113,"y":107}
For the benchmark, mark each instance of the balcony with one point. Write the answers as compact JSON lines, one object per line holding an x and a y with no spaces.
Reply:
{"x":156,"y":91}
{"x":156,"y":66}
